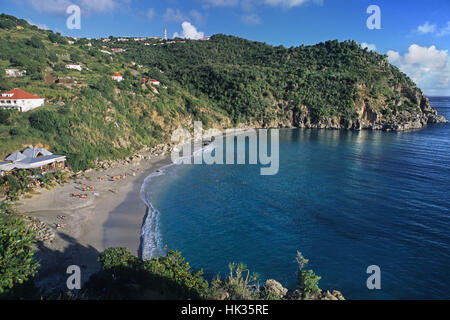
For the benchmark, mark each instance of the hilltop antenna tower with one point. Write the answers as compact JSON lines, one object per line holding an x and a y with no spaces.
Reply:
{"x":165,"y":34}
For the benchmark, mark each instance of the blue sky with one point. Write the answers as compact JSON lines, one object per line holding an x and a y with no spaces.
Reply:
{"x":415,"y":33}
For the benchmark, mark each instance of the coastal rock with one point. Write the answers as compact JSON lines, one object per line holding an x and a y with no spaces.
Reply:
{"x":334,"y":295}
{"x":274,"y":287}
{"x":42,"y":232}
{"x":338,"y":295}
{"x":221,"y":295}
{"x":323,"y":295}
{"x":411,"y":111}
{"x":294,"y":295}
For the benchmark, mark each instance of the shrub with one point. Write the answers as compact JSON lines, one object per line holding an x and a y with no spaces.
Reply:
{"x":124,"y":276}
{"x":114,"y":258}
{"x":56,"y":38}
{"x":240,"y":284}
{"x":173,"y":276}
{"x":17,"y":131}
{"x":35,"y":42}
{"x":17,"y":264}
{"x":45,"y":121}
{"x":307,"y":280}
{"x":4,"y":116}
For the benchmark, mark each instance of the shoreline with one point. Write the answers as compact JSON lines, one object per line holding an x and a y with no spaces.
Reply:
{"x":130,"y":215}
{"x":111,"y":216}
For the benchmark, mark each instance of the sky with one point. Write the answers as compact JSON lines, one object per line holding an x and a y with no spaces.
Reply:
{"x":415,"y":34}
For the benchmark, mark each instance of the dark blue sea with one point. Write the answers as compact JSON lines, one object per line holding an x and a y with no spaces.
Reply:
{"x":346,"y":200}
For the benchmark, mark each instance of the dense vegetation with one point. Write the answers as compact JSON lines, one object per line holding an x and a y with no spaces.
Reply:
{"x":17,"y":265}
{"x":124,"y":276}
{"x":24,"y":181}
{"x":225,"y":81}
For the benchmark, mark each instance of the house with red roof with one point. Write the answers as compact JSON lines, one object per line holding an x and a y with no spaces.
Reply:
{"x":117,"y":77}
{"x":18,"y":99}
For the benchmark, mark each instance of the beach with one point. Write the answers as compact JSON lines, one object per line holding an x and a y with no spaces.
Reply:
{"x":110,"y":216}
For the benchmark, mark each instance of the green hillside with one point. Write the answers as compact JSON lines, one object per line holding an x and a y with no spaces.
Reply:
{"x":224,"y":82}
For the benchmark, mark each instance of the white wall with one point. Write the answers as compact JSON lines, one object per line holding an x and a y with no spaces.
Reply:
{"x":23,"y":105}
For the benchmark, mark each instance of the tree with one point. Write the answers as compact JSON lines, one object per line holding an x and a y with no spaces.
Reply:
{"x":17,"y":264}
{"x":46,"y":121}
{"x":307,"y":280}
{"x":56,"y":38}
{"x":35,"y":42}
{"x":124,"y":276}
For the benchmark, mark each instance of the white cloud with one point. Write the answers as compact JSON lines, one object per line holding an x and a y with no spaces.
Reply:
{"x":50,"y":6}
{"x":150,"y":13}
{"x":40,"y":26}
{"x":249,"y":7}
{"x":427,"y":28}
{"x":251,"y":18}
{"x":428,"y":67}
{"x":58,"y":7}
{"x":393,"y":56}
{"x":98,"y":5}
{"x":445,"y":31}
{"x":290,"y":3}
{"x":197,"y":16}
{"x":247,"y":4}
{"x":189,"y":32}
{"x":369,"y":46}
{"x":220,"y":3}
{"x":174,"y":15}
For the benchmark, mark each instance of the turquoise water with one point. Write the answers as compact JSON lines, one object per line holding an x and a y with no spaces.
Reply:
{"x":346,"y":200}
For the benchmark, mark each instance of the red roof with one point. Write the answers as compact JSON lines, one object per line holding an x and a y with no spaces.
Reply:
{"x":116,"y":75}
{"x":19,"y":94}
{"x":144,"y":80}
{"x":153,"y":80}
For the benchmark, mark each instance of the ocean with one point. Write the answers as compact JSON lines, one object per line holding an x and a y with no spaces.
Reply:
{"x":346,"y":200}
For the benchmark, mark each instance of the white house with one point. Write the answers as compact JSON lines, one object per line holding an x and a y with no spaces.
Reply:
{"x":15,"y":72}
{"x":74,"y":67}
{"x":154,"y":82}
{"x":117,"y":77}
{"x":17,"y":99}
{"x":32,"y":158}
